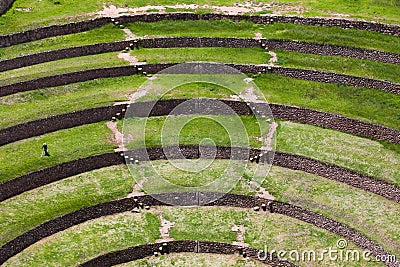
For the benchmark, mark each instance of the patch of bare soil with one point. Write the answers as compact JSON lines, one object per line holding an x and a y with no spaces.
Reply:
{"x":240,"y":231}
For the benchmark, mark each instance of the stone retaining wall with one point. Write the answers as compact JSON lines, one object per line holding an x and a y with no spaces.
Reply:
{"x":326,"y":77}
{"x":50,"y":31}
{"x":87,"y":75}
{"x":59,"y":122}
{"x":295,"y":162}
{"x":295,"y":46}
{"x":52,"y":174}
{"x":56,"y":30}
{"x":64,"y":222}
{"x":163,"y":108}
{"x":192,"y":246}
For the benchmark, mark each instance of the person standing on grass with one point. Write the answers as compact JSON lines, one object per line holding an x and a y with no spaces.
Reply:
{"x":45,"y":152}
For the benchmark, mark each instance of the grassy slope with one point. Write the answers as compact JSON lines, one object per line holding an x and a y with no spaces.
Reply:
{"x":361,"y":154}
{"x":305,"y":187}
{"x":217,"y":54}
{"x":271,"y":230}
{"x":315,"y":34}
{"x":342,"y":65}
{"x":36,"y":104}
{"x":359,"y":103}
{"x":366,"y":156}
{"x":349,"y":66}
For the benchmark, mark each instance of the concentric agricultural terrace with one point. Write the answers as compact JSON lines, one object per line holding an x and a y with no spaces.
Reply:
{"x":333,"y":86}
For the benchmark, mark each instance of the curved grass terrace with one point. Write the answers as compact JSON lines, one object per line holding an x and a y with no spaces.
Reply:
{"x":65,"y":145}
{"x":368,"y":157}
{"x":360,"y":154}
{"x":48,"y":13}
{"x":61,"y":67}
{"x":336,"y":64}
{"x":332,"y":199}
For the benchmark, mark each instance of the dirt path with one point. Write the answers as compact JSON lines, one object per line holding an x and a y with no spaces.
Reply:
{"x":117,"y":135}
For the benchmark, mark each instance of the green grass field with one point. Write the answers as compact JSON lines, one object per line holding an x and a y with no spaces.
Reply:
{"x":129,"y":229}
{"x":283,"y":31}
{"x":361,"y":154}
{"x":299,"y":188}
{"x":107,"y":33}
{"x":371,"y":215}
{"x":360,"y":103}
{"x":244,"y":29}
{"x":26,"y":14}
{"x":194,"y":259}
{"x":61,"y":66}
{"x":24,"y":156}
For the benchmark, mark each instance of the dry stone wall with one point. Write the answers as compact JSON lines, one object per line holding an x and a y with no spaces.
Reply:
{"x":56,"y":30}
{"x":163,"y":108}
{"x":64,"y":222}
{"x":295,"y":46}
